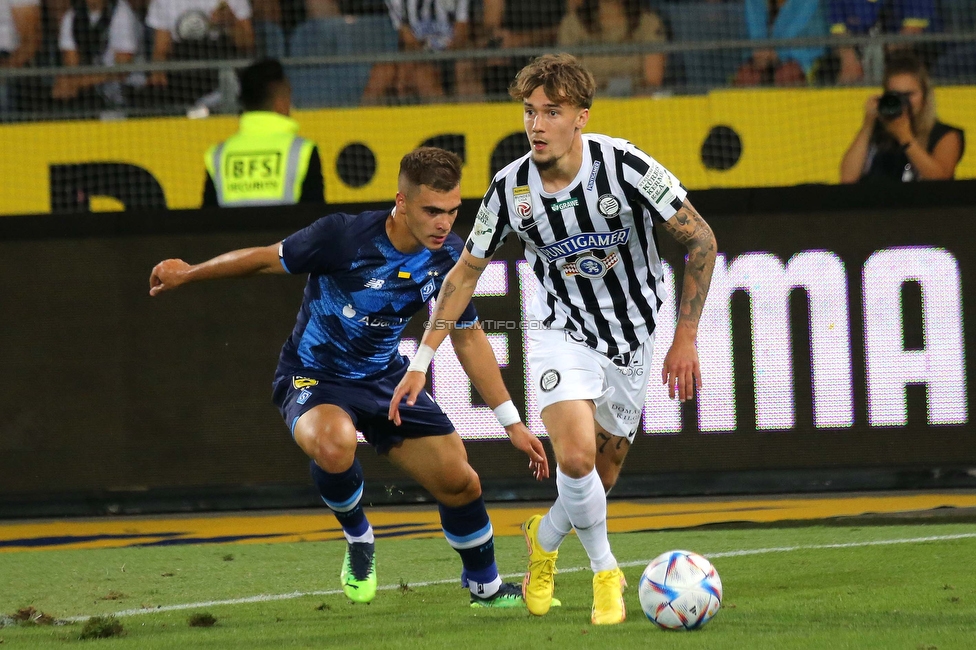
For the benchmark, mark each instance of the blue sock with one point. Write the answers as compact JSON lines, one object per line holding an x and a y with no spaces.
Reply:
{"x":468,"y":530}
{"x":343,"y":493}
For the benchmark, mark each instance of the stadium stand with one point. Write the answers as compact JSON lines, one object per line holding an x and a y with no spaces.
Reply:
{"x":336,"y":85}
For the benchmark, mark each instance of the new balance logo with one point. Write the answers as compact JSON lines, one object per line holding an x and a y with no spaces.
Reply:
{"x":375,"y":283}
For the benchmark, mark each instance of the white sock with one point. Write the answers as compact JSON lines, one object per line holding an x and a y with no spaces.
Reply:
{"x":366,"y":537}
{"x":554,"y":527}
{"x":485,"y":589}
{"x":586,"y":505}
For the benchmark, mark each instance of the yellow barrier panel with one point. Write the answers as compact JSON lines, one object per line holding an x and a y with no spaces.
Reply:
{"x":788,"y":137}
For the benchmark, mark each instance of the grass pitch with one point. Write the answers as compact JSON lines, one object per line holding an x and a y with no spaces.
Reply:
{"x":862,"y":588}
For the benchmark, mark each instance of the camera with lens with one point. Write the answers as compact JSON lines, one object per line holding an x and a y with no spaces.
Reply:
{"x":892,"y":104}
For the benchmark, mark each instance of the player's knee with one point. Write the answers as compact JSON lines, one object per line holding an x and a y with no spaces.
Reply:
{"x":334,"y":460}
{"x":459,"y":490}
{"x":576,"y":463}
{"x":334,"y":455}
{"x":331,"y":447}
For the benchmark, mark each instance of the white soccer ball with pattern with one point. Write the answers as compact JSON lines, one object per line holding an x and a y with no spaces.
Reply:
{"x":680,"y":590}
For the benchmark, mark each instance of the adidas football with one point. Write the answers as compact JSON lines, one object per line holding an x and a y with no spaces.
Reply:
{"x":680,"y":590}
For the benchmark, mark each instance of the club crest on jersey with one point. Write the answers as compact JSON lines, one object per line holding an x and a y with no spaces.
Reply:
{"x":584,"y":241}
{"x":303,"y":382}
{"x":523,"y":201}
{"x":427,"y":290}
{"x":591,"y":267}
{"x":608,"y":205}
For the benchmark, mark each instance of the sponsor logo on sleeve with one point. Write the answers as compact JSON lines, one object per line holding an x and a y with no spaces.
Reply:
{"x":481,"y":229}
{"x":484,"y":228}
{"x":656,"y":185}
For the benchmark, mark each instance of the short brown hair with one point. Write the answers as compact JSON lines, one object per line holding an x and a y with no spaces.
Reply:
{"x":438,"y":169}
{"x":562,"y":77}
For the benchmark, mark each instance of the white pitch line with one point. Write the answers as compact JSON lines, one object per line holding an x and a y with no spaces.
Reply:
{"x":267,"y":598}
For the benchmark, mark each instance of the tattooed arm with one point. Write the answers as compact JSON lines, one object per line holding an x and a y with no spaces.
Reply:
{"x":454,"y":296}
{"x":681,"y":370}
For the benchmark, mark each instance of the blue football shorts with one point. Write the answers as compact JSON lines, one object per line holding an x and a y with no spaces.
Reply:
{"x":367,"y":401}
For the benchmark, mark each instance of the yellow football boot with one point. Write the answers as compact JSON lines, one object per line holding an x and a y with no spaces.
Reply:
{"x":538,"y":585}
{"x":608,"y":597}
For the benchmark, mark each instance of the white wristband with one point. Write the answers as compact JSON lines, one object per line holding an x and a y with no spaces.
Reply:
{"x":421,"y":360}
{"x":507,"y":414}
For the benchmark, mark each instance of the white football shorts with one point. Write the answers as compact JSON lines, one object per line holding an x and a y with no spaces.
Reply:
{"x":563,"y":369}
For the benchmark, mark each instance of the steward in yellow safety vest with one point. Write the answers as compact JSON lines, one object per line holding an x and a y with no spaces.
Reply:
{"x":265,"y":162}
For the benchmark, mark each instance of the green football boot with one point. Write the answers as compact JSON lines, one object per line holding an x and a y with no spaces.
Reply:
{"x":508,"y":595}
{"x":358,"y":574}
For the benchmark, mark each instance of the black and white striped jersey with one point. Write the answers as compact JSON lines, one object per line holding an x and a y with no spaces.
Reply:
{"x":591,"y":245}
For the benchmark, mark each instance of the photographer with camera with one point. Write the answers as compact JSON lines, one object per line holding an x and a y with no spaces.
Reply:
{"x":901,"y":138}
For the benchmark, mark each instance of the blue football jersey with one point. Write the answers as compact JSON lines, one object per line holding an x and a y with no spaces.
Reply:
{"x":360,"y":295}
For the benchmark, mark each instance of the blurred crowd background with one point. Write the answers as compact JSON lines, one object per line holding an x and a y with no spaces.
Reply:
{"x":181,"y":54}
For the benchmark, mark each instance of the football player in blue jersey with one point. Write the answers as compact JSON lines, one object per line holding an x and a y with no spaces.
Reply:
{"x":367,"y":275}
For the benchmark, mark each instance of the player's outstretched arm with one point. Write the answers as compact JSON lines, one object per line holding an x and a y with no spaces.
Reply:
{"x":170,"y":274}
{"x":681,"y":371}
{"x":478,"y":360}
{"x":454,"y":296}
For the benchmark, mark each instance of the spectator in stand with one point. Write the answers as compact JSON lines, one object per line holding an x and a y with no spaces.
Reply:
{"x":782,"y":19}
{"x":597,"y":22}
{"x":901,"y":138}
{"x":431,"y":25}
{"x":52,"y":13}
{"x":269,"y":11}
{"x":197,"y":30}
{"x":314,"y":9}
{"x":20,"y":38}
{"x":860,"y":17}
{"x":96,"y":32}
{"x":518,"y":23}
